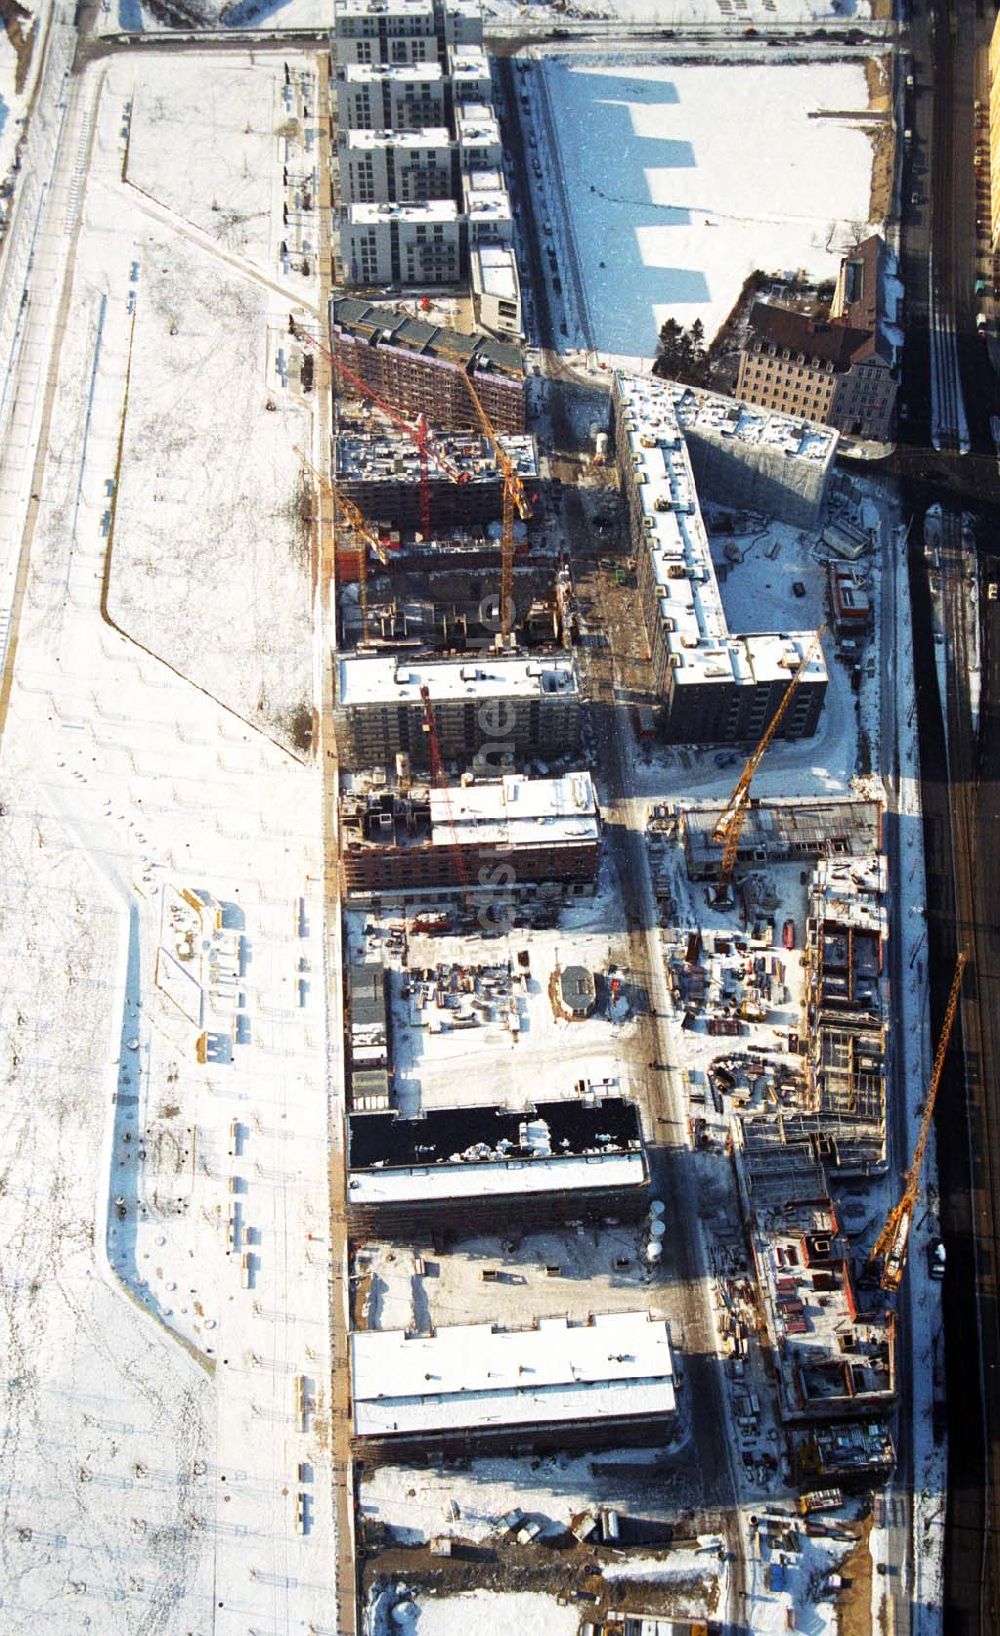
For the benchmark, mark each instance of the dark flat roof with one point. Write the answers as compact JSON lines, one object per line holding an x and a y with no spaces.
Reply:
{"x":394,"y":328}
{"x":444,"y":1134}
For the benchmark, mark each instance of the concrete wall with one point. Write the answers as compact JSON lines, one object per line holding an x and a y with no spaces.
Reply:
{"x":758,"y":478}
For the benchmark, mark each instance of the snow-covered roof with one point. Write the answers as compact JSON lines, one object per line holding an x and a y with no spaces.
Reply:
{"x":516,"y":811}
{"x":383,"y":8}
{"x":494,"y":271}
{"x":425,"y":1184}
{"x":405,"y":73}
{"x":476,"y":122}
{"x":480,"y":1376}
{"x":656,"y":416}
{"x":368,"y":679}
{"x":433,"y":210}
{"x":429,"y":136}
{"x":484,"y":193}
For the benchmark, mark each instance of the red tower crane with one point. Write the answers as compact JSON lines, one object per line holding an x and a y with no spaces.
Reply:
{"x":417,"y":431}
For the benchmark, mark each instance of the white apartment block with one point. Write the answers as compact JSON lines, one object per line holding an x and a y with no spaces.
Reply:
{"x":486,"y":206}
{"x":404,"y":31}
{"x":401,"y":243}
{"x":404,"y":98}
{"x":385,"y":31}
{"x":496,"y":289}
{"x":395,"y":167}
{"x":477,"y":131}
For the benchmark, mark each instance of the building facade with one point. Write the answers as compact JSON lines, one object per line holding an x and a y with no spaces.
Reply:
{"x":402,"y":243}
{"x":424,"y":368}
{"x":715,"y":687}
{"x":840,"y":370}
{"x":490,"y":713}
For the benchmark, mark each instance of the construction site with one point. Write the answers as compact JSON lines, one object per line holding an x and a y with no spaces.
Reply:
{"x":481,"y":872}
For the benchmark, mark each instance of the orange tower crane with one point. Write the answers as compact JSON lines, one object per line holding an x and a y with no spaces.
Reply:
{"x":439,"y":781}
{"x":355,"y":520}
{"x":893,"y":1241}
{"x":730,"y":826}
{"x":513,"y":499}
{"x":417,"y":431}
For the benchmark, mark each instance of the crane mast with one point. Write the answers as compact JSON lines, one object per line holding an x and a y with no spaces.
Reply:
{"x":730,"y":826}
{"x":893,"y":1241}
{"x":356,"y":520}
{"x":513,"y":498}
{"x":418,"y":432}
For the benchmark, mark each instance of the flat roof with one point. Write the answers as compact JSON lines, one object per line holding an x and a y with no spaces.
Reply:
{"x":384,"y":678}
{"x":484,"y":193}
{"x":475,"y":122}
{"x":383,"y":8}
{"x":429,"y":136}
{"x":389,"y":457}
{"x":479,"y":1376}
{"x":656,"y":417}
{"x":405,"y":73}
{"x":516,"y":811}
{"x":468,"y":62}
{"x":434,"y":210}
{"x":494,"y":271}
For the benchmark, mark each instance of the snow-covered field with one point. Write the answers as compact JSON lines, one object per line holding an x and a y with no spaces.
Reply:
{"x":474,"y":1613}
{"x":210,"y":566}
{"x":156,"y":1446}
{"x":727,"y":13}
{"x":680,"y":181}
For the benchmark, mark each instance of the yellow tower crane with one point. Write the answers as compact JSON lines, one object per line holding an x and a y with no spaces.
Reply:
{"x":513,"y":500}
{"x":355,"y":520}
{"x":893,"y":1241}
{"x":730,"y":825}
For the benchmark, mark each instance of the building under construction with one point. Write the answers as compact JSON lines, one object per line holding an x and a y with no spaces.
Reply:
{"x":794,"y":828}
{"x":422,"y":368}
{"x":504,"y":837}
{"x":832,"y":1360}
{"x":492,"y":714}
{"x":380,"y":473}
{"x":846,"y":1003}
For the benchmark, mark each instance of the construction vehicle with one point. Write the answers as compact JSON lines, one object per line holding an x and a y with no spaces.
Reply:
{"x":439,"y":781}
{"x":417,"y":431}
{"x":355,"y":520}
{"x":730,"y":826}
{"x":893,"y":1241}
{"x":513,"y":499}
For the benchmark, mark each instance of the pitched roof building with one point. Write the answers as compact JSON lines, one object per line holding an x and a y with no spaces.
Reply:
{"x":840,"y":370}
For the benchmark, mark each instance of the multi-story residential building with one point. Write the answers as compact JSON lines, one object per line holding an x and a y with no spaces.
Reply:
{"x":381,"y":473}
{"x":840,"y":370}
{"x":477,"y":133}
{"x":385,"y":31}
{"x":406,"y":97}
{"x":395,"y":167}
{"x":404,"y":31}
{"x":496,"y":289}
{"x":424,"y":368}
{"x":486,"y":208}
{"x":492,"y":711}
{"x":715,"y":687}
{"x":402,"y":243}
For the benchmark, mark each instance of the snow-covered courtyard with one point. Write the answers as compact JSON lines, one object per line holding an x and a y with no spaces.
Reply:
{"x":680,"y":181}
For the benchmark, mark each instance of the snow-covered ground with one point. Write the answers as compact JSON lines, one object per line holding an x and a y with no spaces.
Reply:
{"x":165,"y":1453}
{"x":473,"y":1613}
{"x":672,"y":183}
{"x":211,"y":555}
{"x":727,"y":13}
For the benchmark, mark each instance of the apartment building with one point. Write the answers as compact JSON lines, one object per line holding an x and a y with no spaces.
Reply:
{"x":400,"y":167}
{"x":715,"y":687}
{"x":402,"y":243}
{"x":840,"y":370}
{"x":406,"y":97}
{"x":496,"y":289}
{"x":486,"y":208}
{"x":492,"y":712}
{"x":477,"y":134}
{"x":385,"y":31}
{"x":424,"y":368}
